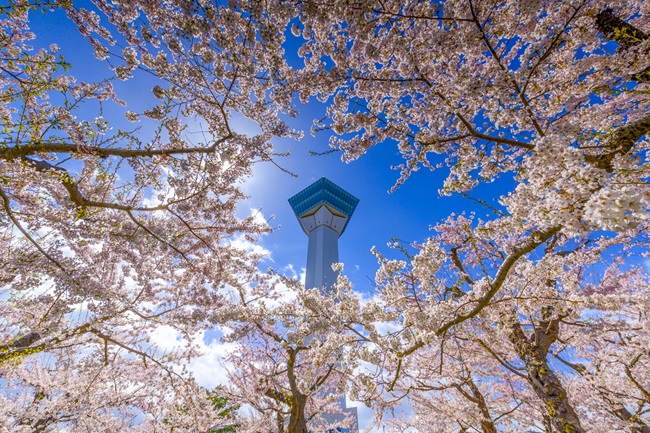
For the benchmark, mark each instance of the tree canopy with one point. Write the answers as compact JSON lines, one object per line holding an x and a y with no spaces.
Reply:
{"x":119,"y":216}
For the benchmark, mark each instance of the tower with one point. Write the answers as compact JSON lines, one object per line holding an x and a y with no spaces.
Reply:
{"x":324,"y":210}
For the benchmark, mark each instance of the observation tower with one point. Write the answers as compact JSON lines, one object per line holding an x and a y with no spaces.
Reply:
{"x":324,"y":210}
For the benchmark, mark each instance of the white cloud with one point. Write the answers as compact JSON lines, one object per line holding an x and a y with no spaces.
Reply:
{"x":242,"y":243}
{"x":259,"y":218}
{"x":290,"y":270}
{"x":166,"y":338}
{"x":303,"y":275}
{"x":210,"y":369}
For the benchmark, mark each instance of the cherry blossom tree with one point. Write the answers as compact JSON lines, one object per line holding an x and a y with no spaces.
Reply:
{"x":540,"y":351}
{"x":465,"y":387}
{"x":550,"y":94}
{"x":118,"y":210}
{"x":291,"y":361}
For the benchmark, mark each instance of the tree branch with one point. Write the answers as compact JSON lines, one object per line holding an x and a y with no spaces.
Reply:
{"x":19,"y":151}
{"x":619,"y":31}
{"x":75,"y":194}
{"x":536,"y":239}
{"x":626,"y":35}
{"x":521,"y":95}
{"x":24,"y":350}
{"x":504,"y":363}
{"x":621,"y":141}
{"x":7,"y":208}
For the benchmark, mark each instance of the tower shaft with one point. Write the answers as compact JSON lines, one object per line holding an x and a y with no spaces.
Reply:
{"x":324,"y":210}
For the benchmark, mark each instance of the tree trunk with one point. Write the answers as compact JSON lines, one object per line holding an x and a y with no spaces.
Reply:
{"x":297,"y":421}
{"x":625,"y":34}
{"x":487,"y":424}
{"x":533,"y":352}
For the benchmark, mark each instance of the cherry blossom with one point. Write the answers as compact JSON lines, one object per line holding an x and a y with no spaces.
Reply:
{"x":119,"y":216}
{"x":554,"y":96}
{"x":118,"y":223}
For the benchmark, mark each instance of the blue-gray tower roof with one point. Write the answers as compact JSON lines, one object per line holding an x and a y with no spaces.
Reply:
{"x":324,"y":191}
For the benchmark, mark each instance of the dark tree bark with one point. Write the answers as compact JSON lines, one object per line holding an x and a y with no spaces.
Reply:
{"x":620,"y":142}
{"x":533,"y":351}
{"x":626,"y":35}
{"x":297,"y":421}
{"x":487,"y":423}
{"x":614,"y":28}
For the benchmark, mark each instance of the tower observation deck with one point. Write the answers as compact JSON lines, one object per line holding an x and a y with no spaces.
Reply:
{"x":324,"y":210}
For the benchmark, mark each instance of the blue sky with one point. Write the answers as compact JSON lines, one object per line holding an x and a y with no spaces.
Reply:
{"x":405,"y":214}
